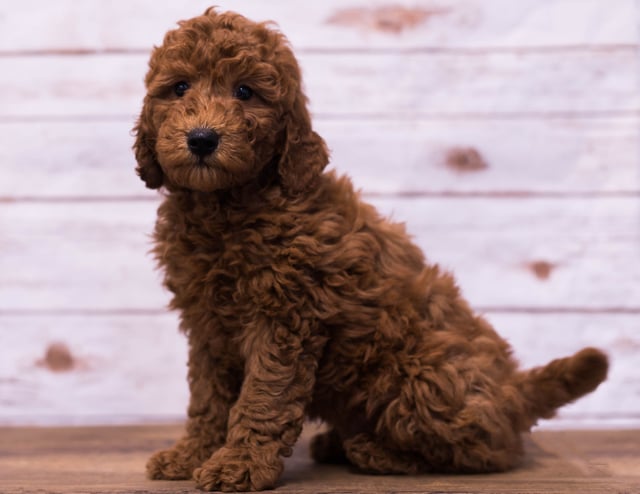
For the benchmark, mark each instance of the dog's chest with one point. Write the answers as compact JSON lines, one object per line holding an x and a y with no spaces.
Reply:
{"x":214,"y":264}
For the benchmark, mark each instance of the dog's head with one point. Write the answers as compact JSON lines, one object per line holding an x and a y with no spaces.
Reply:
{"x":224,"y":102}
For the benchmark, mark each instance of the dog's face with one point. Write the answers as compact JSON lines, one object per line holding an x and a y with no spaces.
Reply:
{"x":224,"y":101}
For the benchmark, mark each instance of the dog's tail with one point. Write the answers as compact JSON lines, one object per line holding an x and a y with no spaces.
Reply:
{"x":561,"y":381}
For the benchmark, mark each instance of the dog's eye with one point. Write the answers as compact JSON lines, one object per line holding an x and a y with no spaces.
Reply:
{"x":180,"y":88}
{"x":243,"y":93}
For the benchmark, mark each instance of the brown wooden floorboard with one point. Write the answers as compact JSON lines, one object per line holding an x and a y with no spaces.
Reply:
{"x":111,"y":460}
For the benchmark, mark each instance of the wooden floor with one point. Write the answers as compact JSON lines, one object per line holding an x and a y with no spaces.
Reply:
{"x":111,"y":460}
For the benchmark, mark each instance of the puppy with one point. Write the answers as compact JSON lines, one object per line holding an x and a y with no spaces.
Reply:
{"x":299,"y":300}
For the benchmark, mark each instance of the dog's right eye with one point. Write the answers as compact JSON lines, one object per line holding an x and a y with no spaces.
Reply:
{"x":180,"y":88}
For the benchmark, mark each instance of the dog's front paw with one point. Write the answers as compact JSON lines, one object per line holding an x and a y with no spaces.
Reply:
{"x":236,"y":469}
{"x":177,"y":463}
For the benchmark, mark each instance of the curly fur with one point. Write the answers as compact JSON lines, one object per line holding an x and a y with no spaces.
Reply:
{"x":299,"y":300}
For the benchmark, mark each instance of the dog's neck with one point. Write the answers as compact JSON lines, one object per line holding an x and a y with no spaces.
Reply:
{"x":233,"y":205}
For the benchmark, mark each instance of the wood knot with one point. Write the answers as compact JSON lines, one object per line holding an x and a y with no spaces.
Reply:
{"x":387,"y":18}
{"x":58,"y":358}
{"x":465,"y":160}
{"x":541,"y":269}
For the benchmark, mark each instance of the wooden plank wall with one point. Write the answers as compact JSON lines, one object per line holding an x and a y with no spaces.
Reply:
{"x":504,"y":133}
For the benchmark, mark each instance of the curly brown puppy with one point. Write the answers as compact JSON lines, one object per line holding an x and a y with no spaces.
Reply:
{"x":299,"y":300}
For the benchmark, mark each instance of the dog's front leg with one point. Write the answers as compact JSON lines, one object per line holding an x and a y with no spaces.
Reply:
{"x":267,"y":419}
{"x":214,"y":388}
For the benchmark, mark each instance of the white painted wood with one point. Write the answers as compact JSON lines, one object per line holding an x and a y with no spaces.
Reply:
{"x":69,"y":159}
{"x":542,"y":231}
{"x":365,"y":84}
{"x":137,"y":24}
{"x":522,"y":155}
{"x":431,"y":85}
{"x":490,"y":245}
{"x":92,"y":256}
{"x":564,"y":156}
{"x":133,"y":369}
{"x":124,"y":369}
{"x":78,"y":256}
{"x":71,"y":86}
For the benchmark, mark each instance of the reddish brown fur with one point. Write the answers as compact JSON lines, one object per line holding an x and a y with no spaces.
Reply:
{"x":299,"y":300}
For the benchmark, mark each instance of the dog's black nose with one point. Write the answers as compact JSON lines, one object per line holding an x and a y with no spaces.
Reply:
{"x":202,"y":142}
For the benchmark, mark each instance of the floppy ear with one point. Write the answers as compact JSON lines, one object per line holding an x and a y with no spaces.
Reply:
{"x":304,"y":153}
{"x":148,"y":168}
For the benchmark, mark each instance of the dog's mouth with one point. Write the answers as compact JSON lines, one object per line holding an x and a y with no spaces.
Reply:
{"x":202,"y":162}
{"x":205,"y":157}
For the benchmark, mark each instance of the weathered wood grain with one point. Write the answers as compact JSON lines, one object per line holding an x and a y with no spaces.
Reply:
{"x":111,"y":459}
{"x":132,"y":368}
{"x":570,"y":82}
{"x":522,"y":156}
{"x":32,"y":25}
{"x":78,"y":255}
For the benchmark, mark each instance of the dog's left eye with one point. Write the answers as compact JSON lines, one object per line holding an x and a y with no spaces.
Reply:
{"x":243,"y":93}
{"x":180,"y":88}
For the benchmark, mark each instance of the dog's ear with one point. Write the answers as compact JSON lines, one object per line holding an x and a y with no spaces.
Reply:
{"x":148,"y":168}
{"x":304,"y":153}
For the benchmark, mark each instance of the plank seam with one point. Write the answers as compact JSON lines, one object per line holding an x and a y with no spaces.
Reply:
{"x":365,"y":50}
{"x":145,"y":312}
{"x":348,"y":117}
{"x":445,"y":194}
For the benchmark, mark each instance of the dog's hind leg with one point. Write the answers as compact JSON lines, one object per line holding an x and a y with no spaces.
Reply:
{"x":371,"y":455}
{"x":454,"y":419}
